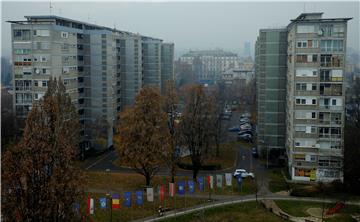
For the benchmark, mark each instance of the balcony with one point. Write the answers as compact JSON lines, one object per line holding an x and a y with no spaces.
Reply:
{"x":328,"y":107}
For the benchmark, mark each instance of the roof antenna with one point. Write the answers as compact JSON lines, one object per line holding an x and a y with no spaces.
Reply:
{"x":50,"y":7}
{"x":304,"y":7}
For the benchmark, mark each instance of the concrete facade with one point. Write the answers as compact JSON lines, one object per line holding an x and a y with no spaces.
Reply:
{"x":316,"y":97}
{"x":270,"y":69}
{"x":102,"y":68}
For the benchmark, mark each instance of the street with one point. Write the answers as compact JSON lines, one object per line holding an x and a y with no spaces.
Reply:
{"x":244,"y":160}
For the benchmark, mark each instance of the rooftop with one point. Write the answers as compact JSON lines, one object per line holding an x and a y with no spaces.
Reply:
{"x":215,"y":52}
{"x":67,"y":22}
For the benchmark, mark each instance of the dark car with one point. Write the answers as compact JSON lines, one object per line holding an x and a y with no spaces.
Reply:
{"x":234,"y":129}
{"x":254,"y":152}
{"x":245,"y":132}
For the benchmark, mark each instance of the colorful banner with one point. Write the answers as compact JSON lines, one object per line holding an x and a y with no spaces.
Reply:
{"x":171,"y":189}
{"x":115,"y":201}
{"x":162,"y":192}
{"x":139,"y":198}
{"x":201,"y":183}
{"x":219,"y":180}
{"x":181,"y":187}
{"x":76,"y":208}
{"x":102,"y":201}
{"x":127,"y":197}
{"x":210,"y":180}
{"x":228,"y":179}
{"x":90,"y":206}
{"x":191,"y":185}
{"x":150,"y":194}
{"x":239,"y":179}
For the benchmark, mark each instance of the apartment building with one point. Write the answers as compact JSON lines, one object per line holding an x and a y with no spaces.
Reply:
{"x":270,"y":69}
{"x":210,"y":64}
{"x":307,"y":59}
{"x":316,"y":97}
{"x":102,"y":68}
{"x":167,"y":64}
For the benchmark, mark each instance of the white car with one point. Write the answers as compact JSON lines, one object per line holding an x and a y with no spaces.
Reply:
{"x":243,"y":173}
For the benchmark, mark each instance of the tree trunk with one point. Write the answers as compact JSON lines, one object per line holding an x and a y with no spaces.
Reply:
{"x":195,"y":172}
{"x":173,"y":173}
{"x":147,"y":179}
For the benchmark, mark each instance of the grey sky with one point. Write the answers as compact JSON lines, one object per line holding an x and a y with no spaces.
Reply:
{"x":192,"y":25}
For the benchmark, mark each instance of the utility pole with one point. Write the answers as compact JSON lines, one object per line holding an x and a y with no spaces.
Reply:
{"x":267,"y":157}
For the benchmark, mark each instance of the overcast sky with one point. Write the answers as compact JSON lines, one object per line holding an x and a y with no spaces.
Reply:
{"x":189,"y":25}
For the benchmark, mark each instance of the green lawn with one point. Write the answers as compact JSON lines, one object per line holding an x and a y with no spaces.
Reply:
{"x":129,"y":182}
{"x":276,"y":181}
{"x":298,"y":209}
{"x":226,"y":158}
{"x":249,"y":212}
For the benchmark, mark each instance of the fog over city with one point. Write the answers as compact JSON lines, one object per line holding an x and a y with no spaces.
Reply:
{"x":190,"y":25}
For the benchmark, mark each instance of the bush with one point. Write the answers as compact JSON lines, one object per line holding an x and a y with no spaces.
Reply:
{"x":306,"y":191}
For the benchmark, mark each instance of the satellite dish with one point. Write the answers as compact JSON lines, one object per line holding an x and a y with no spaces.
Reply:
{"x":37,"y":71}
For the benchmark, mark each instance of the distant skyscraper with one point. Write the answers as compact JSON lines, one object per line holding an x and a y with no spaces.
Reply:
{"x":247,"y":51}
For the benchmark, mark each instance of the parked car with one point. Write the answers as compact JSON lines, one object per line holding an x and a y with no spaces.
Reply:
{"x":225,"y":116}
{"x":254,"y":152}
{"x":243,"y":173}
{"x":244,"y":119}
{"x":245,"y":127}
{"x":246,"y":115}
{"x":241,"y":132}
{"x":245,"y":136}
{"x":234,"y":129}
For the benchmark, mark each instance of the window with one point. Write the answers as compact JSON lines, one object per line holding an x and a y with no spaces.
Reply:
{"x":301,"y":86}
{"x":313,"y":115}
{"x":42,"y":32}
{"x":35,"y":83}
{"x":22,"y":34}
{"x":332,"y":45}
{"x":326,"y":30}
{"x":314,"y":101}
{"x":314,"y":86}
{"x":22,"y":51}
{"x":64,"y":35}
{"x":305,"y":29}
{"x":333,"y":102}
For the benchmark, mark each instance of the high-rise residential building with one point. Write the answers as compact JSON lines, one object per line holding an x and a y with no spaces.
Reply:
{"x":167,"y":64}
{"x":315,"y":93}
{"x":210,"y":64}
{"x":102,"y":68}
{"x":270,"y":69}
{"x":316,"y":97}
{"x":151,"y":59}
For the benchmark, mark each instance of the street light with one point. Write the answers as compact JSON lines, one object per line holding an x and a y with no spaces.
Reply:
{"x":267,"y":153}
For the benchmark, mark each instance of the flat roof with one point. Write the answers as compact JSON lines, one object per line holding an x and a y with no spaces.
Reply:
{"x":52,"y":18}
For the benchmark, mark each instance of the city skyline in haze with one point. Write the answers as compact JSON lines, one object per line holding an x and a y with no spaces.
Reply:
{"x":190,"y":25}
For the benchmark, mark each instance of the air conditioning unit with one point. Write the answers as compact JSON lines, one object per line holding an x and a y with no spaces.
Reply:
{"x":320,"y":32}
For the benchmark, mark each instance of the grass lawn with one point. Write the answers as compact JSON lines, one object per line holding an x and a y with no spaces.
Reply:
{"x":121,"y":182}
{"x":137,"y":212}
{"x":298,"y":208}
{"x":276,"y":181}
{"x":226,"y":158}
{"x":249,"y":212}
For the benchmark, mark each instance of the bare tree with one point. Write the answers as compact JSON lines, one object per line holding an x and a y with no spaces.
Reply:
{"x":143,"y":134}
{"x":40,"y":180}
{"x":194,"y":126}
{"x":170,"y":106}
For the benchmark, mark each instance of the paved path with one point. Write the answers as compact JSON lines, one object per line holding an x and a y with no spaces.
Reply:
{"x":237,"y":200}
